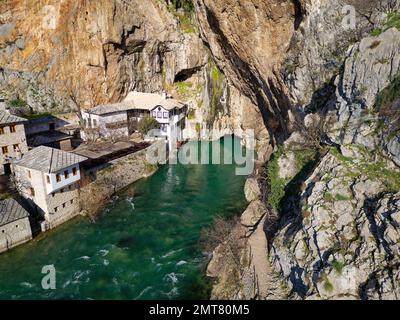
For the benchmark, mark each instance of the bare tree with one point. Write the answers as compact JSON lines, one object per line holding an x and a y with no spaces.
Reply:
{"x":227,"y":234}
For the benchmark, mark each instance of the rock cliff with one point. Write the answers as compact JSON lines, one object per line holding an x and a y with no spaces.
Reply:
{"x":328,"y":198}
{"x":94,"y":50}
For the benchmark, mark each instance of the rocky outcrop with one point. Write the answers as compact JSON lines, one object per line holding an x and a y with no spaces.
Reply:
{"x":335,"y":180}
{"x":239,"y":265}
{"x":95,"y":51}
{"x":357,"y":110}
{"x":338,"y":238}
{"x":250,"y":53}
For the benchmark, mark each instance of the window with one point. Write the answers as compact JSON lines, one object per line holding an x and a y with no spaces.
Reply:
{"x":72,"y":201}
{"x":52,"y":126}
{"x":58,"y":177}
{"x":16,"y":147}
{"x":165,"y":115}
{"x":16,"y":226}
{"x":74,"y":171}
{"x":48,"y":179}
{"x":32,"y":192}
{"x":154,"y":114}
{"x":64,"y":204}
{"x":70,"y":187}
{"x":1,"y":130}
{"x":55,"y":209}
{"x":29,"y":174}
{"x":159,"y":114}
{"x":4,"y":150}
{"x":94,"y":123}
{"x":12,"y":129}
{"x":66,"y":174}
{"x":62,"y":190}
{"x":53,"y":195}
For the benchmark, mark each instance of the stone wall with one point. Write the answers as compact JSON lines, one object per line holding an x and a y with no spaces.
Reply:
{"x":62,"y":206}
{"x":14,"y":234}
{"x":117,"y":175}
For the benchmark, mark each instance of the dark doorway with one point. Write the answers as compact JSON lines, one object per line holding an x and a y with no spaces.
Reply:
{"x":7,"y":169}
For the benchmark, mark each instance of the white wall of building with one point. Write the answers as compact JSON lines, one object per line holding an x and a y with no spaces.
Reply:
{"x":64,"y":182}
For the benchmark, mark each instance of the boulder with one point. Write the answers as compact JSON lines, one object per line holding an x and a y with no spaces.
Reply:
{"x":253,"y":214}
{"x":252,"y":190}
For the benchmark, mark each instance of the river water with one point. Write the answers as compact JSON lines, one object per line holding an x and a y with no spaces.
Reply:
{"x":141,"y":247}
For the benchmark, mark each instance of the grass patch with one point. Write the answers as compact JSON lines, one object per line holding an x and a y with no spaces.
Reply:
{"x":18,"y":103}
{"x":392,"y":21}
{"x":328,"y":286}
{"x":305,"y":159}
{"x":34,"y":116}
{"x":338,"y":266}
{"x":328,"y":197}
{"x":341,"y":197}
{"x":217,"y":79}
{"x":387,"y":96}
{"x":5,"y":195}
{"x":191,"y":114}
{"x":183,"y":88}
{"x":183,"y":10}
{"x":150,"y":167}
{"x":377,"y":170}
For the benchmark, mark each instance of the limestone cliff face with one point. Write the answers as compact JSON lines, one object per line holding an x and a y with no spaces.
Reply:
{"x":248,"y":41}
{"x":328,"y":202}
{"x":94,"y":50}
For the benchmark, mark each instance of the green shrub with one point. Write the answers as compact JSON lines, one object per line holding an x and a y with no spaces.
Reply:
{"x":393,"y":20}
{"x":18,"y":103}
{"x":305,"y":159}
{"x":338,"y":266}
{"x":147,"y":124}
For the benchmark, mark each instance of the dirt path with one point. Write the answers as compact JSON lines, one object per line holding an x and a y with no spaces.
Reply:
{"x":269,"y":285}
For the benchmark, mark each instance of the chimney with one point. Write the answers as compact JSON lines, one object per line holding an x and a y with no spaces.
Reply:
{"x":3,"y":105}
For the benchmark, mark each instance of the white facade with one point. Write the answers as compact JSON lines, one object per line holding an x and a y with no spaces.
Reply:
{"x":117,"y":119}
{"x":62,"y":179}
{"x":49,"y":179}
{"x":107,"y":125}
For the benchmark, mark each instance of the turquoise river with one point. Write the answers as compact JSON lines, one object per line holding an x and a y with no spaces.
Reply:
{"x":144,"y":246}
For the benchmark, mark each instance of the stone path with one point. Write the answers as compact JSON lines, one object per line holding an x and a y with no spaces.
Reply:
{"x":269,"y":285}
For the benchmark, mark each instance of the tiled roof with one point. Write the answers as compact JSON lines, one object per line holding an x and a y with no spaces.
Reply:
{"x":112,"y":108}
{"x":148,"y":101}
{"x":46,"y":138}
{"x":139,"y":101}
{"x":49,"y":160}
{"x":10,"y":211}
{"x":7,"y":118}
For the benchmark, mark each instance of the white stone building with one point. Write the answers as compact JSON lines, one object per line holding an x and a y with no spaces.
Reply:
{"x":12,"y":140}
{"x":50,"y":180}
{"x":121,"y":119}
{"x":15,"y":227}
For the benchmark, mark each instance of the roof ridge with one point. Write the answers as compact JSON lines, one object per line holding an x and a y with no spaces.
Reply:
{"x":51,"y":160}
